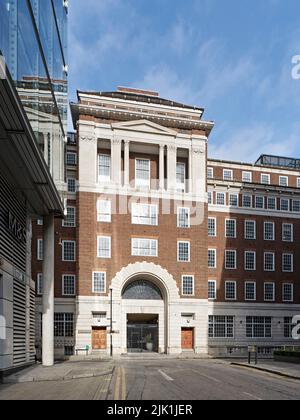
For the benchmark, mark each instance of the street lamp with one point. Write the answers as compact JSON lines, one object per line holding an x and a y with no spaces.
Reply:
{"x":111,"y":321}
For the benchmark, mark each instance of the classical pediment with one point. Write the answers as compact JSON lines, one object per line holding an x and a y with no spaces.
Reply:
{"x":144,"y":126}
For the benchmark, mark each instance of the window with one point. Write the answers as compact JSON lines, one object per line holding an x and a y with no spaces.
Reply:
{"x":269,"y":292}
{"x":40,"y":249}
{"x":180,"y":177}
{"x":212,"y":290}
{"x":212,"y":258}
{"x":221,"y":199}
{"x":298,"y":182}
{"x":227,"y":175}
{"x":230,"y":260}
{"x":285,"y":204}
{"x":144,"y":214}
{"x":259,"y":202}
{"x":250,"y":260}
{"x":271,"y":203}
{"x":69,"y":251}
{"x":71,"y":159}
{"x":144,"y":247}
{"x":39,"y":284}
{"x":287,"y":263}
{"x":63,"y":325}
{"x":183,"y":217}
{"x":269,"y":261}
{"x":210,"y":197}
{"x":265,"y":179}
{"x":287,"y":292}
{"x":287,"y":232}
{"x":40,"y":222}
{"x":247,"y":177}
{"x":230,"y":290}
{"x":230,"y":228}
{"x":104,"y":211}
{"x":210,"y":173}
{"x":283,"y":181}
{"x":288,"y":327}
{"x":220,"y":326}
{"x":296,"y":206}
{"x":104,"y":247}
{"x":212,"y":227}
{"x":247,"y":201}
{"x":104,"y":167}
{"x":70,"y":218}
{"x":269,"y":231}
{"x":250,"y":291}
{"x":233,"y":200}
{"x":258,"y":327}
{"x":142,"y":173}
{"x":187,"y":285}
{"x":68,"y":285}
{"x":250,"y":229}
{"x":71,"y":185}
{"x":184,"y":251}
{"x":99,"y":282}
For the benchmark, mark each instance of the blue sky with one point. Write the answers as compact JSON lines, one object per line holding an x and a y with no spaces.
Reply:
{"x":232,"y":57}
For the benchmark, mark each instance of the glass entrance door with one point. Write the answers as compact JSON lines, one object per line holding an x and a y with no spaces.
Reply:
{"x":142,"y":338}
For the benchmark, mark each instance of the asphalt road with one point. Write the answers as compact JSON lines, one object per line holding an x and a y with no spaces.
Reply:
{"x":164,"y":380}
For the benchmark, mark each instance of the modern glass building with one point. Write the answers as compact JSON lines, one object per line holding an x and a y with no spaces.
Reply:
{"x":33,"y":123}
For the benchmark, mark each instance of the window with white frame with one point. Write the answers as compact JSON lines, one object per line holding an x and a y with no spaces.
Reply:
{"x":69,"y":251}
{"x":71,"y":182}
{"x":230,"y":259}
{"x":269,"y":261}
{"x":269,"y":231}
{"x":104,"y":167}
{"x":212,"y":290}
{"x":287,"y":263}
{"x":210,"y":197}
{"x":288,"y":232}
{"x":233,"y":200}
{"x":142,"y":173}
{"x":259,"y":202}
{"x":288,"y":327}
{"x":247,"y":200}
{"x":227,"y":175}
{"x":71,"y":159}
{"x":104,"y":211}
{"x":250,"y":291}
{"x":269,"y":292}
{"x":104,"y":247}
{"x":40,"y":249}
{"x":288,"y":292}
{"x":258,"y":327}
{"x":283,"y":181}
{"x":212,"y":227}
{"x":183,"y":217}
{"x":247,"y":176}
{"x":70,"y":218}
{"x":285,"y":204}
{"x":187,"y":285}
{"x":210,"y":173}
{"x":69,"y":285}
{"x":184,"y":252}
{"x":220,"y":326}
{"x":250,"y":229}
{"x":230,"y":228}
{"x":265,"y":179}
{"x":142,"y":247}
{"x":99,"y":282}
{"x":39,"y":284}
{"x":212,"y":258}
{"x":40,"y":222}
{"x":180,"y":176}
{"x":271,"y":203}
{"x":230,"y":290}
{"x":296,"y":206}
{"x":221,"y":199}
{"x":144,"y":214}
{"x":250,"y":260}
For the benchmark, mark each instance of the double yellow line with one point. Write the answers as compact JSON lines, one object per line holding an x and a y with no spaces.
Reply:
{"x":120,"y":386}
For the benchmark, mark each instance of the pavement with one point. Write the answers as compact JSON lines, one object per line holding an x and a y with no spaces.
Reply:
{"x":135,"y":379}
{"x":287,"y":370}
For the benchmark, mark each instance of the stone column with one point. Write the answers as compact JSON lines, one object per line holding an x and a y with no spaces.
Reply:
{"x":172,"y":161}
{"x":127,"y":163}
{"x":162,"y":167}
{"x":116,"y":149}
{"x":48,"y":292}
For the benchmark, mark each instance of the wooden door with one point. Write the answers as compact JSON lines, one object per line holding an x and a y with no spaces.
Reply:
{"x":187,"y":338}
{"x":99,"y":339}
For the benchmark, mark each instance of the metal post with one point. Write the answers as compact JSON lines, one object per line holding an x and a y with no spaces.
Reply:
{"x":111,"y":322}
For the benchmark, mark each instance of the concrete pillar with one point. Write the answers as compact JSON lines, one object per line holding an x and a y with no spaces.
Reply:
{"x":116,"y":148}
{"x":190,"y":186}
{"x":126,"y":163}
{"x":162,"y":167}
{"x":48,"y":292}
{"x":172,"y":162}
